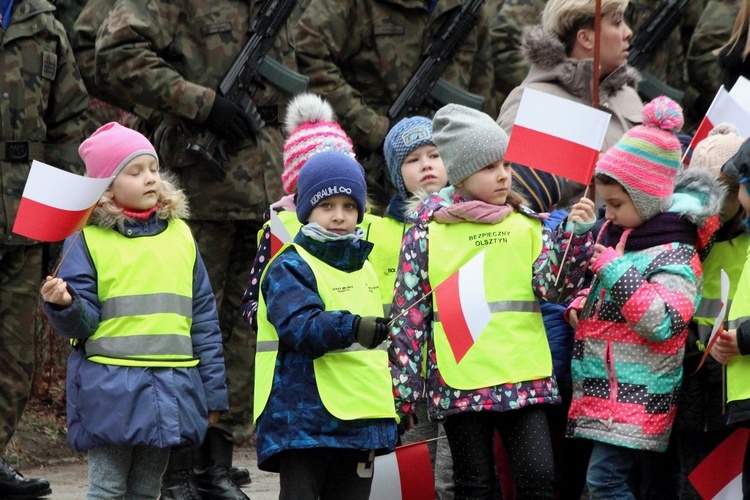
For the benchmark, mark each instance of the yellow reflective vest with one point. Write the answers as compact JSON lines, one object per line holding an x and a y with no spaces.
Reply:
{"x":385,"y":234}
{"x":145,"y":288}
{"x":354,"y":383}
{"x":729,"y":256}
{"x":513,"y":346}
{"x":738,"y":369}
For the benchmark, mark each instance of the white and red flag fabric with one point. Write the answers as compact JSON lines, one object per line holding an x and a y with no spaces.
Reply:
{"x":56,"y":203}
{"x":557,"y":135}
{"x":719,"y":475}
{"x":405,"y":474}
{"x":462,"y":305}
{"x":279,"y":233}
{"x":725,"y":108}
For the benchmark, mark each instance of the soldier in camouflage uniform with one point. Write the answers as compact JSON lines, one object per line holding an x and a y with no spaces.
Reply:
{"x":170,"y":55}
{"x":711,"y":33}
{"x":360,"y":54}
{"x":42,"y":116}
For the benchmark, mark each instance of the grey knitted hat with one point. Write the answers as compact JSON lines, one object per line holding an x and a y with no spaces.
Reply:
{"x":467,"y":140}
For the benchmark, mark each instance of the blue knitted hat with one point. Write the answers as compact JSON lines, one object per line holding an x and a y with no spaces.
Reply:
{"x":327,"y":174}
{"x":406,"y":136}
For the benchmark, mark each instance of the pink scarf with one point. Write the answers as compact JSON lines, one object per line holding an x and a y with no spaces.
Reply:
{"x":472,"y":211}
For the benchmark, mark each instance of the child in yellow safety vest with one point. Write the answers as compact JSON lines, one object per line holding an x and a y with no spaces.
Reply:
{"x":733,"y":346}
{"x":481,"y":260}
{"x":147,"y":372}
{"x":700,"y":424}
{"x":323,"y":397}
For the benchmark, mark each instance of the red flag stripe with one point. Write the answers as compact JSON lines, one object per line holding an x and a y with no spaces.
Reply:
{"x":721,"y":466}
{"x":41,"y":222}
{"x":551,"y":154}
{"x":451,"y":312}
{"x":415,"y":472}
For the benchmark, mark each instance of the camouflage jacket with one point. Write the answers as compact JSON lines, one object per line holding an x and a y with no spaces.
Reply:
{"x":360,"y":54}
{"x":171,"y":55}
{"x":555,"y":73}
{"x":43,"y":101}
{"x":712,"y":31}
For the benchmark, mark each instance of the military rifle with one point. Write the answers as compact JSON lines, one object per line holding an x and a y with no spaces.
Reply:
{"x":250,"y":64}
{"x":654,"y":31}
{"x":425,"y":84}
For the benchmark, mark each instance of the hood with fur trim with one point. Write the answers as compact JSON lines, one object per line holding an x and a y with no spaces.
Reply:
{"x":178,"y":208}
{"x":550,"y":64}
{"x":698,"y":195}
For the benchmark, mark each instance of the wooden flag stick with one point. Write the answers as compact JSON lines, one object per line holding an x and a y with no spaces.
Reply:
{"x":62,"y":259}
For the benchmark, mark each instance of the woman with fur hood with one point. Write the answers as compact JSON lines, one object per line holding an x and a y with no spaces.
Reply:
{"x":146,"y":372}
{"x":561,"y":52}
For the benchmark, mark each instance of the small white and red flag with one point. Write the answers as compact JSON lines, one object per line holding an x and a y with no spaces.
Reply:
{"x":279,"y":233}
{"x":405,"y":474}
{"x":719,"y":475}
{"x":557,"y":135}
{"x":724,"y":108}
{"x":741,"y":93}
{"x":56,"y":203}
{"x":463,"y":305}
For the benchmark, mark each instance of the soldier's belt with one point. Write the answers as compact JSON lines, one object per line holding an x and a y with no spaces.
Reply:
{"x":21,"y":151}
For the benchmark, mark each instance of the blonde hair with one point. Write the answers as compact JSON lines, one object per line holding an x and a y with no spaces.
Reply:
{"x":565,"y":17}
{"x":741,"y":27}
{"x":172,"y":200}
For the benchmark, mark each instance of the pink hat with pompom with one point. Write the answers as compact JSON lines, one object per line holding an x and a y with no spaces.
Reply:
{"x":110,"y":148}
{"x":645,"y":161}
{"x":310,"y":129}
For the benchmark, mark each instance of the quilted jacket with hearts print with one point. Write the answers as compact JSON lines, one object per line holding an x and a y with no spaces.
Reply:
{"x":412,"y":339}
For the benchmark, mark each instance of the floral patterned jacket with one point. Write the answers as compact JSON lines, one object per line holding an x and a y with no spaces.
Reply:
{"x":412,"y":345}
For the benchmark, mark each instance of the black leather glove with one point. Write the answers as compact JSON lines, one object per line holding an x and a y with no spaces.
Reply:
{"x":370,"y":331}
{"x":229,"y":121}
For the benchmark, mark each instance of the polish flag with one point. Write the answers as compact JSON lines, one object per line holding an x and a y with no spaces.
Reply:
{"x":405,"y":474}
{"x":741,"y":93}
{"x":719,"y":475}
{"x":463,"y":306}
{"x":725,"y":108}
{"x":279,"y":233}
{"x":56,"y":203}
{"x":557,"y":135}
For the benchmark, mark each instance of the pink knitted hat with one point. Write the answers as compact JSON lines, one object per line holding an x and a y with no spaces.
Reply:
{"x":111,"y":147}
{"x":645,"y":161}
{"x":310,"y":129}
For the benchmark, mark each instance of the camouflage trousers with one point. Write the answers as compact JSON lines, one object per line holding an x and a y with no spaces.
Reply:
{"x":20,"y":275}
{"x":228,"y":250}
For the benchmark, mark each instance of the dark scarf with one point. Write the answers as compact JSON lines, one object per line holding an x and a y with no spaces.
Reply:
{"x":666,"y":227}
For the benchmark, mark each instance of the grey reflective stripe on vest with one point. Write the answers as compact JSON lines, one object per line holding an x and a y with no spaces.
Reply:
{"x":273,"y":346}
{"x":710,"y":308}
{"x":508,"y":306}
{"x":386,"y":310}
{"x":141,"y":345}
{"x":153,"y":303}
{"x":733,"y":324}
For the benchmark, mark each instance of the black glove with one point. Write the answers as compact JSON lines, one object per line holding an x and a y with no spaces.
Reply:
{"x":229,"y":121}
{"x":370,"y":331}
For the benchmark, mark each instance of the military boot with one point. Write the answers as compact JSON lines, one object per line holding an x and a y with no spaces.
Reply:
{"x":240,"y":475}
{"x":178,"y":482}
{"x":212,"y":469}
{"x":16,"y":487}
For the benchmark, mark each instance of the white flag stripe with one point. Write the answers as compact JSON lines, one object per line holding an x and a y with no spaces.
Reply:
{"x":725,"y":108}
{"x":386,"y":479}
{"x":473,"y":299}
{"x":741,"y":93}
{"x":60,"y":189}
{"x":279,"y":229}
{"x":562,"y":118}
{"x":732,"y":491}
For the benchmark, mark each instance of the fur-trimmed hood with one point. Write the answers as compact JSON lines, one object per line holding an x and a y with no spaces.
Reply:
{"x":176,"y":208}
{"x":550,"y":63}
{"x":698,"y":195}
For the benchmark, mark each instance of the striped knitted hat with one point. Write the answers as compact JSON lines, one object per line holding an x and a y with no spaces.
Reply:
{"x":310,"y":129}
{"x":647,"y":158}
{"x":405,"y":137}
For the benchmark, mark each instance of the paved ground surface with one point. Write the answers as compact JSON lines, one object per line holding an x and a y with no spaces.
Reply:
{"x":69,"y":479}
